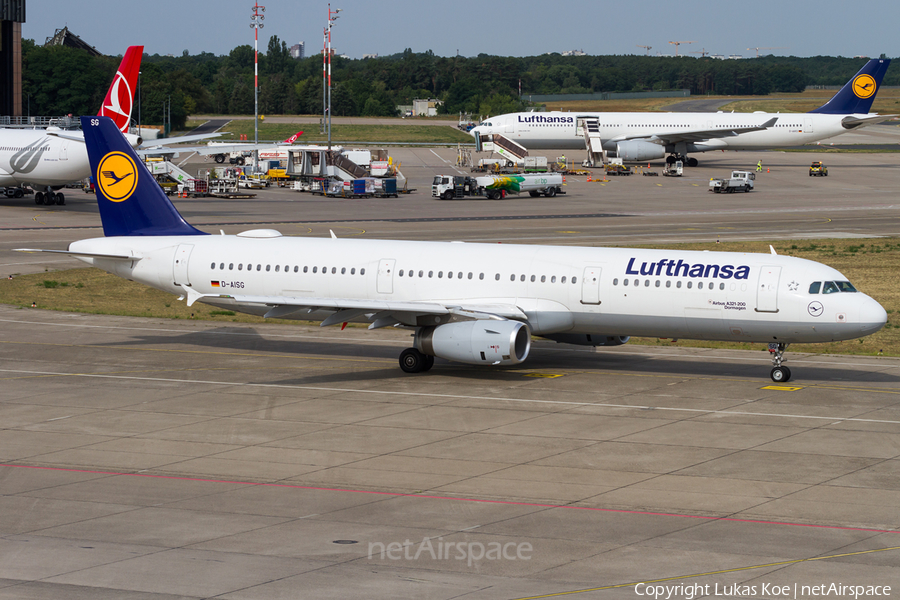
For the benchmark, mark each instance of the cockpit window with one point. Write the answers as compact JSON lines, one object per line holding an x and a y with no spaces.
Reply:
{"x":845,"y":286}
{"x":815,"y":287}
{"x":831,"y":288}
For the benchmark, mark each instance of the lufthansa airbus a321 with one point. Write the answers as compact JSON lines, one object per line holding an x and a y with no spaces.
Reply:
{"x":639,"y":137}
{"x":477,"y":304}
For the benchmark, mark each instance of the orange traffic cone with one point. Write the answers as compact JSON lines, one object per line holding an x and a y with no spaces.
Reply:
{"x":767,"y":170}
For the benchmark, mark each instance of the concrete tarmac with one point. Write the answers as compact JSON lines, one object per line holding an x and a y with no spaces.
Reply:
{"x":145,"y":459}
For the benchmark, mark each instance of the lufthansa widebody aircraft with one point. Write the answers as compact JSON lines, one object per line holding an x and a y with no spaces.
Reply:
{"x":640,"y":137}
{"x":472,"y":303}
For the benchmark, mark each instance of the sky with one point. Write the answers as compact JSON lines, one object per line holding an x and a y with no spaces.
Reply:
{"x":469,"y":27}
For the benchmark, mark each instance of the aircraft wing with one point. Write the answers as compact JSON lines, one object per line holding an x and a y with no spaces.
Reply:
{"x":380,"y":313}
{"x":694,"y":135}
{"x":850,"y":122}
{"x":180,"y":139}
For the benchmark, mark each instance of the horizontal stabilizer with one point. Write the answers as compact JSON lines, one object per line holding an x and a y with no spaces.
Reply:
{"x":854,"y":122}
{"x":84,"y":254}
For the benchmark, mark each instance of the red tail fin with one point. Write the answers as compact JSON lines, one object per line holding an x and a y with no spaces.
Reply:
{"x":120,"y":98}
{"x":293,"y":138}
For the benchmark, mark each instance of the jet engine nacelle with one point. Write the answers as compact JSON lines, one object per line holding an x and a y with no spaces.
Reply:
{"x":639,"y":151}
{"x":482,"y":342}
{"x":133,"y":140}
{"x":588,"y":339}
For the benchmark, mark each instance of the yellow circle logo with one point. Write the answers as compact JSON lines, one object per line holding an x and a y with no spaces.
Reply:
{"x":864,"y":86}
{"x":117,"y":176}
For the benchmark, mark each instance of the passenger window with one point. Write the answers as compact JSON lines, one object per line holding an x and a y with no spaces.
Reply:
{"x":449,"y":274}
{"x":315,"y":269}
{"x":563,"y":280}
{"x":521,"y":277}
{"x":574,"y":280}
{"x":657,"y":283}
{"x":421,"y":273}
{"x":213,"y":266}
{"x":268,"y":268}
{"x":430,"y":274}
{"x":259,"y":267}
{"x":353,"y":271}
{"x":482,"y":276}
{"x":625,"y":282}
{"x":678,"y":284}
{"x":459,"y":275}
{"x":553,"y":279}
{"x":532,"y":279}
{"x":646,"y":283}
{"x":231,"y":266}
{"x":830,"y":288}
{"x":669,"y":284}
{"x":305,"y":269}
{"x":277,"y":268}
{"x":700,"y":286}
{"x":296,"y":268}
{"x":440,"y":274}
{"x":721,"y":286}
{"x":497,"y":277}
{"x":222,"y":266}
{"x":690,"y":284}
{"x":616,"y":281}
{"x":401,"y":272}
{"x":344,"y":271}
{"x":543,"y":278}
{"x":240,"y":266}
{"x":333,"y":270}
{"x":362,"y":271}
{"x":815,"y":287}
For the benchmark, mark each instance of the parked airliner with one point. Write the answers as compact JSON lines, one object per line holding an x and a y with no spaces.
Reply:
{"x":472,"y":303}
{"x":649,"y":136}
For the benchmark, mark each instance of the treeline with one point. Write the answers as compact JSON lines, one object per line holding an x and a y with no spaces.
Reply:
{"x":63,"y":80}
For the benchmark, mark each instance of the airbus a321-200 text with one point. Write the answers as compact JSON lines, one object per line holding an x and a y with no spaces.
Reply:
{"x":471,"y":303}
{"x":639,"y":137}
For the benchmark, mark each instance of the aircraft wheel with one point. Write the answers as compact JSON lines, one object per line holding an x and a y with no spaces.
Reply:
{"x":39,"y":197}
{"x":412,"y":361}
{"x":781,"y":374}
{"x":692,"y":162}
{"x":239,"y":161}
{"x":550,"y":192}
{"x":429,"y":362}
{"x":220,"y":158}
{"x":60,"y":199}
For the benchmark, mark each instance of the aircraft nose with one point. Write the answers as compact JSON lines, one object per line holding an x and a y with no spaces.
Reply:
{"x":872,"y":317}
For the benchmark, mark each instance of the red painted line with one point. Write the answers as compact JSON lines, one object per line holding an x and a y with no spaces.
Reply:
{"x":455,"y":499}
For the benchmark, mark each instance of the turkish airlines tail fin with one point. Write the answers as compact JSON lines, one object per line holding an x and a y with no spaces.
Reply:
{"x":120,"y":97}
{"x":293,"y":138}
{"x":130,"y":200}
{"x":858,"y":94}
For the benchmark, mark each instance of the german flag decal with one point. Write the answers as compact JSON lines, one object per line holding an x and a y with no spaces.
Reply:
{"x":215,"y":284}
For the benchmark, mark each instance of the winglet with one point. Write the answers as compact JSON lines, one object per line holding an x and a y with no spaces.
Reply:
{"x":772,"y":250}
{"x":334,"y":237}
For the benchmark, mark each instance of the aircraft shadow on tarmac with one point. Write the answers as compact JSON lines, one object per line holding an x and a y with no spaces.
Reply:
{"x":545,"y":357}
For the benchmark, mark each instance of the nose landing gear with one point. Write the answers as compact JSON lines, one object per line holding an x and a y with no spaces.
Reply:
{"x":780,"y":373}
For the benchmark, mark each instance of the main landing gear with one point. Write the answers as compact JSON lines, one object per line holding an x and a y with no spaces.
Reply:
{"x":688,"y":162}
{"x":780,"y":373}
{"x":49,"y":198}
{"x":413,"y":361}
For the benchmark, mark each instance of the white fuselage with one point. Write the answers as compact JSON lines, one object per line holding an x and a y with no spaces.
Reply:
{"x":533,"y":131}
{"x":32,"y":157}
{"x":604,"y":291}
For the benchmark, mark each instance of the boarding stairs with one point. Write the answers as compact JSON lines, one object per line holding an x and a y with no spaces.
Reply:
{"x":168,"y":169}
{"x":512,"y":151}
{"x":590,"y":128}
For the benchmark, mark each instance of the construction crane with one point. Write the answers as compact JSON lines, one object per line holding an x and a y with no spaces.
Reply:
{"x":769,"y":48}
{"x":678,"y":44}
{"x":703,"y":53}
{"x":646,"y":47}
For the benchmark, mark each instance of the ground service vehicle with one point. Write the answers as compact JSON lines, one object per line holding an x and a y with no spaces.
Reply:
{"x":495,"y":187}
{"x":818,"y":169}
{"x":740,"y":181}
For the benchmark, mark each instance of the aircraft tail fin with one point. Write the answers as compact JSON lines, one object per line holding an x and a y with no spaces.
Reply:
{"x":131,"y":202}
{"x":120,"y":98}
{"x":857,"y":95}
{"x":293,"y":138}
